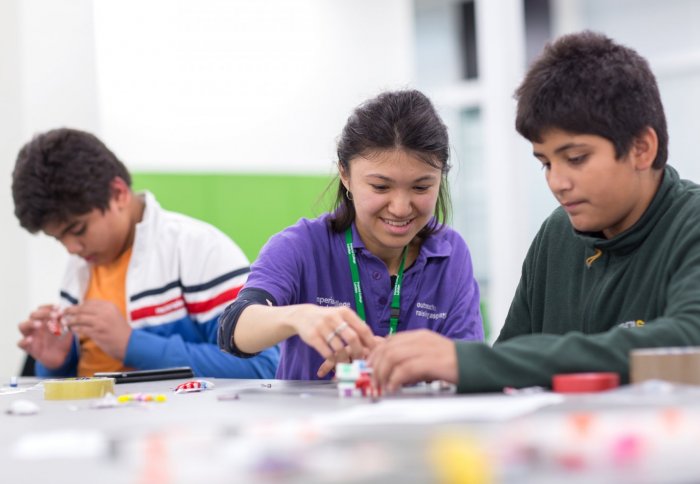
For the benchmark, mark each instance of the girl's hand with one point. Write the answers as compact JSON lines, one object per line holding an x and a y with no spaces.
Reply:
{"x":333,"y":331}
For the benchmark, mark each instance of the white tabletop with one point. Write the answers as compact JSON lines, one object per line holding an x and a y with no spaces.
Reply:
{"x":288,"y":431}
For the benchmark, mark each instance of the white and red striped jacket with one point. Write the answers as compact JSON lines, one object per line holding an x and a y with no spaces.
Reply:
{"x":181,"y":276}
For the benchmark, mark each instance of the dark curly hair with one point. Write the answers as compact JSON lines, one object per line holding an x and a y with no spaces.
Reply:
{"x":586,"y":83}
{"x":60,"y":174}
{"x":399,"y":119}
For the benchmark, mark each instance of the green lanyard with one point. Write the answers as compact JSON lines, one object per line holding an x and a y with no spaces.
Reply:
{"x":357,"y":288}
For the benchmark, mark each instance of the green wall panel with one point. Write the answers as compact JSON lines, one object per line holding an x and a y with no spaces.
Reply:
{"x":249,"y":208}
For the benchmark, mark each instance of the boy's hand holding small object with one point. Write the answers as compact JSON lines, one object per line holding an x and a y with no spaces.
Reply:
{"x":45,"y":337}
{"x":56,"y":324}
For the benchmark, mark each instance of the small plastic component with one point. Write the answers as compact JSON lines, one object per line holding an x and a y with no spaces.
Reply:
{"x":57,"y":327}
{"x":23,"y":407}
{"x":585,"y":382}
{"x":354,"y":380}
{"x":193,"y":386}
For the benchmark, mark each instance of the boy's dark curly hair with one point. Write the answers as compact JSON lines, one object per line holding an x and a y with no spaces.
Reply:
{"x":585,"y":83}
{"x":60,"y":174}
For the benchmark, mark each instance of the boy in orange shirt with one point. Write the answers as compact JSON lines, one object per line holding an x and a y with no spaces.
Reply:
{"x":144,"y":287}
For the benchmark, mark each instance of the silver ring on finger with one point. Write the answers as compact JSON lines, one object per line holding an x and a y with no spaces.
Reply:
{"x":330,"y":337}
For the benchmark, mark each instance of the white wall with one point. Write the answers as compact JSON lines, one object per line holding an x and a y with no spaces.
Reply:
{"x":14,"y":280}
{"x":263,"y":86}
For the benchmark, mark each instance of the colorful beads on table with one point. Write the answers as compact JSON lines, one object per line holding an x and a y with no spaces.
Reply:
{"x":141,"y":397}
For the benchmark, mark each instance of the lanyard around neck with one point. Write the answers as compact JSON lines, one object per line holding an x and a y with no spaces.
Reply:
{"x":357,"y":288}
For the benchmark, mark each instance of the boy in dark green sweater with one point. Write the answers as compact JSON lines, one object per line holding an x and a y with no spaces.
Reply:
{"x":616,"y":266}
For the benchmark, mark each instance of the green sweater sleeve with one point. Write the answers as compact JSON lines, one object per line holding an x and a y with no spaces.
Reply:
{"x":533,"y":359}
{"x":524,"y":356}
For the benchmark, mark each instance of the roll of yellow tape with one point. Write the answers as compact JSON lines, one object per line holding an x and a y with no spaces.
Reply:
{"x":77,"y":388}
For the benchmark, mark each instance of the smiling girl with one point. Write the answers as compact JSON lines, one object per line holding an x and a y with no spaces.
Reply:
{"x":381,"y":262}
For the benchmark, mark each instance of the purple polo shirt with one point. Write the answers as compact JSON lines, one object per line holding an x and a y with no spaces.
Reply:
{"x":308,"y":263}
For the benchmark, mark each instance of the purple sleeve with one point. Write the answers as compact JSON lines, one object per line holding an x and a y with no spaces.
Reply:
{"x":278,"y":269}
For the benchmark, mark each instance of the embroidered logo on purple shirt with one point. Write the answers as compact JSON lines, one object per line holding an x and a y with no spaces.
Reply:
{"x":331,"y":302}
{"x":429,"y":311}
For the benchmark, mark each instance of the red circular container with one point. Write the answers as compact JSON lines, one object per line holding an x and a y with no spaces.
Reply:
{"x":585,"y":382}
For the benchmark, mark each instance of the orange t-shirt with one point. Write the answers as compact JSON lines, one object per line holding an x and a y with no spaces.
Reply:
{"x":107,"y":283}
